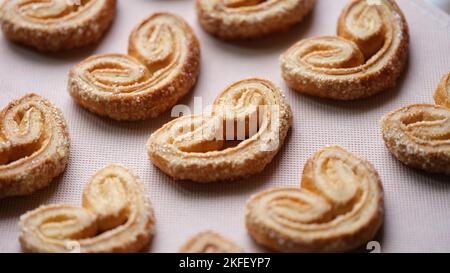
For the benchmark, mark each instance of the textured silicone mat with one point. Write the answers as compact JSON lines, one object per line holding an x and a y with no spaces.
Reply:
{"x":417,"y":204}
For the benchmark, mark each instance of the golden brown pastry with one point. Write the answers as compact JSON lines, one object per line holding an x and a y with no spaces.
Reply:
{"x":366,"y":57}
{"x":240,"y":19}
{"x":338,"y":208}
{"x":116,"y":217}
{"x":34,"y":145}
{"x":442,"y":95}
{"x":209,"y":242}
{"x":162,"y":66}
{"x":53,"y":25}
{"x":247,"y":127}
{"x":419,"y":136}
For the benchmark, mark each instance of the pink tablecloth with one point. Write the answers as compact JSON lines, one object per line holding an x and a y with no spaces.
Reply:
{"x":417,"y":204}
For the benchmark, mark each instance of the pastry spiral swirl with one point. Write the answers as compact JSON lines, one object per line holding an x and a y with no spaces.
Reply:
{"x":116,"y":217}
{"x":162,"y":66}
{"x":34,"y":145}
{"x":338,"y":208}
{"x":209,"y":242}
{"x":366,"y":57}
{"x":197,"y":147}
{"x":52,"y":25}
{"x":419,"y":136}
{"x":239,"y":19}
{"x":442,"y":95}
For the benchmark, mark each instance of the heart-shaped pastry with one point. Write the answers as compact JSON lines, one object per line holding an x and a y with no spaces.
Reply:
{"x":51,"y":25}
{"x":442,"y":95}
{"x":209,"y":242}
{"x":161,"y":67}
{"x":116,"y":216}
{"x":242,"y":19}
{"x":419,"y":136}
{"x":339,"y":207}
{"x":366,"y":57}
{"x":34,"y":145}
{"x":247,"y":127}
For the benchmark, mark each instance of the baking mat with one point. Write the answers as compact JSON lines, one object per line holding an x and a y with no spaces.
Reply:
{"x":417,"y":204}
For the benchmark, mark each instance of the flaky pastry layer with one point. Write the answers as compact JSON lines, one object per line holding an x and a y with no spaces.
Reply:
{"x":243,"y":19}
{"x":34,"y":145}
{"x":209,"y":242}
{"x":198,"y":147}
{"x":116,"y":216}
{"x":162,"y":65}
{"x":57,"y":24}
{"x":442,"y":94}
{"x":419,"y":136}
{"x":366,"y":57}
{"x":339,"y":207}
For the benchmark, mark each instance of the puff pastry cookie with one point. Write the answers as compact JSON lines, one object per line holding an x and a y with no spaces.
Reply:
{"x":366,"y":57}
{"x":116,"y":216}
{"x":253,"y":112}
{"x":209,"y":242}
{"x":238,"y":19}
{"x":34,"y":145}
{"x":162,"y":66}
{"x":442,"y":95}
{"x":338,"y":208}
{"x":419,"y":136}
{"x":53,"y":25}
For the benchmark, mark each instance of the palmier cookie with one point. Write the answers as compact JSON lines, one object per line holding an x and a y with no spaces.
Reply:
{"x":116,"y":216}
{"x":442,"y":95}
{"x":247,"y":127}
{"x":240,"y":19}
{"x":366,"y":57}
{"x":34,"y":145}
{"x":209,"y":242}
{"x":419,"y":136}
{"x":56,"y":24}
{"x":338,"y":208}
{"x":162,"y":66}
